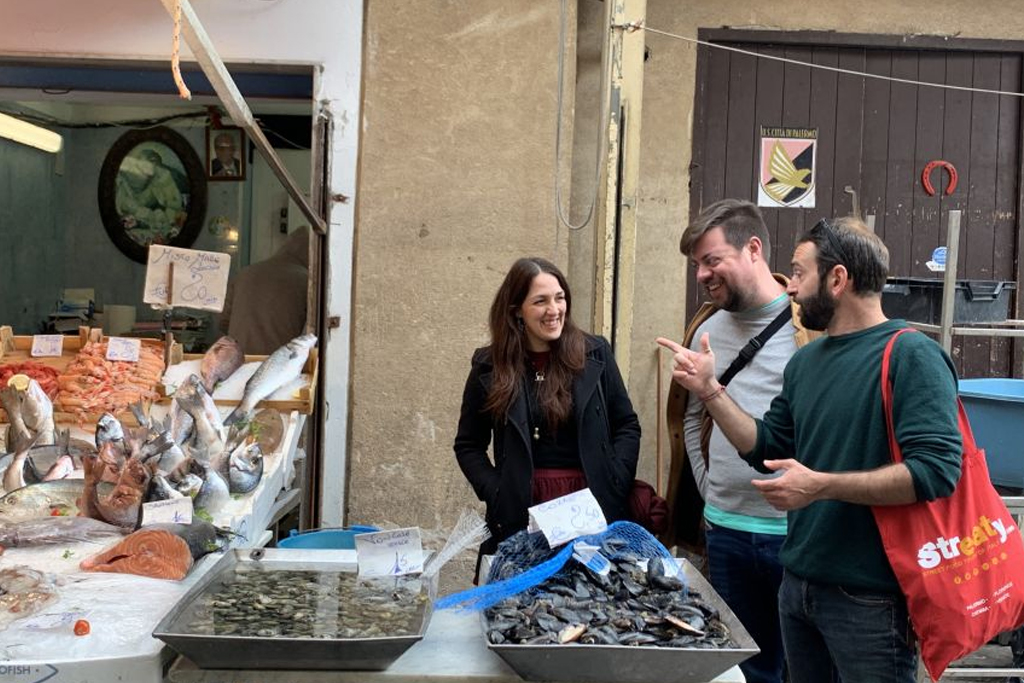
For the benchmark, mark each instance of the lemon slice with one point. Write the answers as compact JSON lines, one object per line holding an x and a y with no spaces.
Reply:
{"x":19,"y":382}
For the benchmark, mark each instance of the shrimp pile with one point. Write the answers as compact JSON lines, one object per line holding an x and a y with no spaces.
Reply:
{"x":91,"y":384}
{"x":44,"y":374}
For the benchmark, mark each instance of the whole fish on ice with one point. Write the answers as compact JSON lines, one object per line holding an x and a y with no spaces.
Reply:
{"x":280,"y":367}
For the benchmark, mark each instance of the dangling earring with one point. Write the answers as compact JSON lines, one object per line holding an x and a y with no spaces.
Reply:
{"x":520,"y":323}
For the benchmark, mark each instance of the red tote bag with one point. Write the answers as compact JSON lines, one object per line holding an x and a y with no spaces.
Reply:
{"x":959,"y":560}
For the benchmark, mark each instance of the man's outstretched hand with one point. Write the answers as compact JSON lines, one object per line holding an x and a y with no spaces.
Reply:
{"x":693,"y":371}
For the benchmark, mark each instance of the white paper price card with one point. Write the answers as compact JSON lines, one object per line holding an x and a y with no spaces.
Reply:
{"x":172,"y":511}
{"x":563,"y":519}
{"x":124,"y":349}
{"x":186,"y":277}
{"x":47,"y":345}
{"x":390,"y":553}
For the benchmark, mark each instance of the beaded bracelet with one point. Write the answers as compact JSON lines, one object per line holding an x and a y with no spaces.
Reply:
{"x":714,"y":394}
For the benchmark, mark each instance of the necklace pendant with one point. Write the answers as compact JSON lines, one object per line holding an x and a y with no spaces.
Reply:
{"x":536,"y":433}
{"x":538,"y":376}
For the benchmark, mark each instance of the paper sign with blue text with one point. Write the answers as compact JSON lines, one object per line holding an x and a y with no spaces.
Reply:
{"x":186,"y":277}
{"x":47,"y":345}
{"x":172,"y":511}
{"x":390,"y":553}
{"x":563,"y":519}
{"x":124,"y":349}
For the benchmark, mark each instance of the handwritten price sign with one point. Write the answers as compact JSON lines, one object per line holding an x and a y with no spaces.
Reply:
{"x":390,"y":553}
{"x":124,"y":349}
{"x":186,"y":277}
{"x":47,"y":345}
{"x":563,"y":519}
{"x":173,"y":511}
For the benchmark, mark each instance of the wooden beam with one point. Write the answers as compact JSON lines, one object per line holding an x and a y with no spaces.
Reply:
{"x":213,"y":66}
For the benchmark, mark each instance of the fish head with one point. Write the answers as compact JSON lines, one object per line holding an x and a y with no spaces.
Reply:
{"x":190,"y":485}
{"x":36,"y":406}
{"x":108,"y":428}
{"x":191,"y":395}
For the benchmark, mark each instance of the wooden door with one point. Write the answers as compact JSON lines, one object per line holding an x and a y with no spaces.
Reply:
{"x":874,"y":136}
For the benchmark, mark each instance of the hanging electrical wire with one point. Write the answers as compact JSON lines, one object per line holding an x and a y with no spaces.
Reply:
{"x":602,"y":132}
{"x":824,"y":67}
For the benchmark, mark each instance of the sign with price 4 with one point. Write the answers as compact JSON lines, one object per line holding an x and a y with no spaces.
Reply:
{"x":390,"y":553}
{"x":173,"y":511}
{"x":563,"y":519}
{"x":186,"y":277}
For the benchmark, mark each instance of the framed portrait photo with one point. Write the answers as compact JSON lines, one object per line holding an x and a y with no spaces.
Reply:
{"x":225,"y":153}
{"x":152,"y":190}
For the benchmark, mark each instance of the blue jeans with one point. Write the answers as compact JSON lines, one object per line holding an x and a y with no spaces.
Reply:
{"x":745,"y":571}
{"x":866,"y":635}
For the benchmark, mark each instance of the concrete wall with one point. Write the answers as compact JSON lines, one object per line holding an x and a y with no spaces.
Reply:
{"x":456,"y":182}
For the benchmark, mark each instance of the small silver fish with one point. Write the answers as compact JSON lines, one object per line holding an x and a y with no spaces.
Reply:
{"x":108,"y":428}
{"x":194,"y":400}
{"x":246,"y":468}
{"x":37,"y":412}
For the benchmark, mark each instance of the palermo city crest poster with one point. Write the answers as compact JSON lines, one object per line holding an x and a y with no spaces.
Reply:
{"x":787,"y":168}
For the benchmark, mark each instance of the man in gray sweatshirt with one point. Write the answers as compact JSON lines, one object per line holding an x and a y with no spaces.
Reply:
{"x":729,"y":246}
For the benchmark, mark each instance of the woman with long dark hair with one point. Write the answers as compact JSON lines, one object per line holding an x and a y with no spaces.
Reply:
{"x":551,"y":400}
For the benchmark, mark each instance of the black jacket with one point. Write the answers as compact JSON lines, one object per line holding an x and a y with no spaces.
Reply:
{"x":609,"y":442}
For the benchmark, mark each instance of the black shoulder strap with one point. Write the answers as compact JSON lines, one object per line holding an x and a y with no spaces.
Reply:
{"x":748,"y":352}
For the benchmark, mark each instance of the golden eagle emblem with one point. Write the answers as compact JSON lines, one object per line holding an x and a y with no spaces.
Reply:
{"x":786,"y":176}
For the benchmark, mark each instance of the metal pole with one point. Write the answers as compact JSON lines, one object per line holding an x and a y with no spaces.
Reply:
{"x":949,"y":281}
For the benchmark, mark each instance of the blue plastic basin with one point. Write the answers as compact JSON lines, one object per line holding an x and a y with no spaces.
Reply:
{"x":325,"y":539}
{"x":995,"y":407}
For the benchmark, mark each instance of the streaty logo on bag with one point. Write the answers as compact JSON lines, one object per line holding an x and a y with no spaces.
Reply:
{"x":932,"y":553}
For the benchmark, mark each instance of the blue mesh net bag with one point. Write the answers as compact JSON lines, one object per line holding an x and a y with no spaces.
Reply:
{"x":524,"y":561}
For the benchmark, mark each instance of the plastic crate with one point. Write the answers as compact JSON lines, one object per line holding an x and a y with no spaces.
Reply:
{"x":995,"y":408}
{"x":325,"y":539}
{"x":920,"y":300}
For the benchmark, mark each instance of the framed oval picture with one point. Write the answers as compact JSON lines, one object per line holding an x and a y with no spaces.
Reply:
{"x":152,"y":191}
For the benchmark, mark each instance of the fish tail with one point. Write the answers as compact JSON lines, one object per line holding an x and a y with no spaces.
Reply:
{"x":239,"y":414}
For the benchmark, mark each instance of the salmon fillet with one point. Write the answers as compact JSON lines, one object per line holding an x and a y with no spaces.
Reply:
{"x":154,"y":553}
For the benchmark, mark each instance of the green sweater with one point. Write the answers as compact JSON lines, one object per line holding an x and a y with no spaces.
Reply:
{"x":829,"y":417}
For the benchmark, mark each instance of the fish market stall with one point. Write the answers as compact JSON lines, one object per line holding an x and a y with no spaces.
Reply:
{"x":120,"y":643}
{"x":452,"y":650}
{"x":85,"y":556}
{"x":644,"y":620}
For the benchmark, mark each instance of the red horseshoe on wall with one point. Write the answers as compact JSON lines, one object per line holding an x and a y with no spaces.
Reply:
{"x":926,"y":176}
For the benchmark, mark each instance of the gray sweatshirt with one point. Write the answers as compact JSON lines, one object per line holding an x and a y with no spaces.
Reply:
{"x":727,"y":485}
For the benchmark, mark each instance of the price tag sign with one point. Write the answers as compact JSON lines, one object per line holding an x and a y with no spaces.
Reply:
{"x":390,"y":553}
{"x":47,"y":345}
{"x":124,"y":348}
{"x":186,"y":277}
{"x":590,"y":555}
{"x":173,"y":511}
{"x":563,"y":519}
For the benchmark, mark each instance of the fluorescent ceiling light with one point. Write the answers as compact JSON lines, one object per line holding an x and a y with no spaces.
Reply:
{"x":30,"y":134}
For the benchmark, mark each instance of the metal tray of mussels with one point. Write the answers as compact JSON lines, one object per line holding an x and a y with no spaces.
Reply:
{"x":636,"y":662}
{"x":292,"y":609}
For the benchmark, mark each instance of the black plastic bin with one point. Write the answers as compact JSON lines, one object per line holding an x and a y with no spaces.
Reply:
{"x":919,"y":299}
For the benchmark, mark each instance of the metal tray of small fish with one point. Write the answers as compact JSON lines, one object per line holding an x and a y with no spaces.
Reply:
{"x":636,"y":662}
{"x":291,"y":609}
